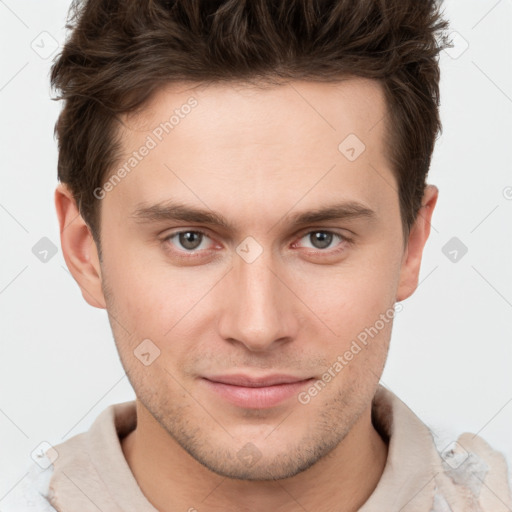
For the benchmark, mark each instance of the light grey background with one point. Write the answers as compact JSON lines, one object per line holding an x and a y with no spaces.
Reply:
{"x":451,"y":354}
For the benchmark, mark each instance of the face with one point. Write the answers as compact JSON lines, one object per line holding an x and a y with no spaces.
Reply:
{"x":256,"y":238}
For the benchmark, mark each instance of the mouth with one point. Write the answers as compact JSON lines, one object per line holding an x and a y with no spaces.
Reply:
{"x":256,"y":392}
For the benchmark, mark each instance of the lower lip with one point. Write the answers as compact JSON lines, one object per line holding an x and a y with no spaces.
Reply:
{"x":256,"y":398}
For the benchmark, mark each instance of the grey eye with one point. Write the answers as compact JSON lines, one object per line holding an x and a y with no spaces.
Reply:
{"x":190,"y":240}
{"x":320,"y":239}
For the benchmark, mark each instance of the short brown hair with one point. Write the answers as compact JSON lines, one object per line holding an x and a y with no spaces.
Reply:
{"x":119,"y":52}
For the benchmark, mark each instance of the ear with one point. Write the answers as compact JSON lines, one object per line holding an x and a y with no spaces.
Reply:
{"x":418,"y":236}
{"x":79,"y":248}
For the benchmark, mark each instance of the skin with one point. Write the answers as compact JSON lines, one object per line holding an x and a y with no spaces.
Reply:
{"x":256,"y":157}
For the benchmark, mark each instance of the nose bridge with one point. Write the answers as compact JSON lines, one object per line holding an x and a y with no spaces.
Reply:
{"x":257,"y":313}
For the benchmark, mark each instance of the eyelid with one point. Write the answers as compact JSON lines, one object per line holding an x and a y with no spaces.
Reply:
{"x":314,"y":229}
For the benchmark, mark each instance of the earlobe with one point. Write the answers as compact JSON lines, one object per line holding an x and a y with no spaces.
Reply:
{"x":79,"y":248}
{"x":420,"y":230}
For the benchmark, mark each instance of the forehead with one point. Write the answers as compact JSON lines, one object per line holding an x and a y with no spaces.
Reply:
{"x":260,"y":147}
{"x":256,"y":113}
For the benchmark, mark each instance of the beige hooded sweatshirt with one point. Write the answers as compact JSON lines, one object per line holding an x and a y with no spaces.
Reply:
{"x":90,"y":472}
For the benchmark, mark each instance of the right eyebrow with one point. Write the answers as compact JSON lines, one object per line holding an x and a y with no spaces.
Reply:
{"x":172,"y":211}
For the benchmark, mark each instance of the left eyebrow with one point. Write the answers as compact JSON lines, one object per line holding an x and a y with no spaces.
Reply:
{"x":174,"y":211}
{"x":341,"y":211}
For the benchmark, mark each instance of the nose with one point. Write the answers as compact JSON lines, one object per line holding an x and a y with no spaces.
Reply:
{"x":257,"y":306}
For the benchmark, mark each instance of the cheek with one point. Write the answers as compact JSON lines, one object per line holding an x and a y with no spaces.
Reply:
{"x":151,"y":297}
{"x":353,"y":296}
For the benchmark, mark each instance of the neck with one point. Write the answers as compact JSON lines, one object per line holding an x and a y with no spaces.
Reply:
{"x":173,"y":480}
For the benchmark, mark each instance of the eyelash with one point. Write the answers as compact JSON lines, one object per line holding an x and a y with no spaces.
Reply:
{"x":344,"y":241}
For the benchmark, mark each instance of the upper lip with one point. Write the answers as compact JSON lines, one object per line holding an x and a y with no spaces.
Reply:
{"x":255,"y":382}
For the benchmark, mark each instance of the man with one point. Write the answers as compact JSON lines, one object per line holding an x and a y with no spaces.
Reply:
{"x":243,"y":190}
